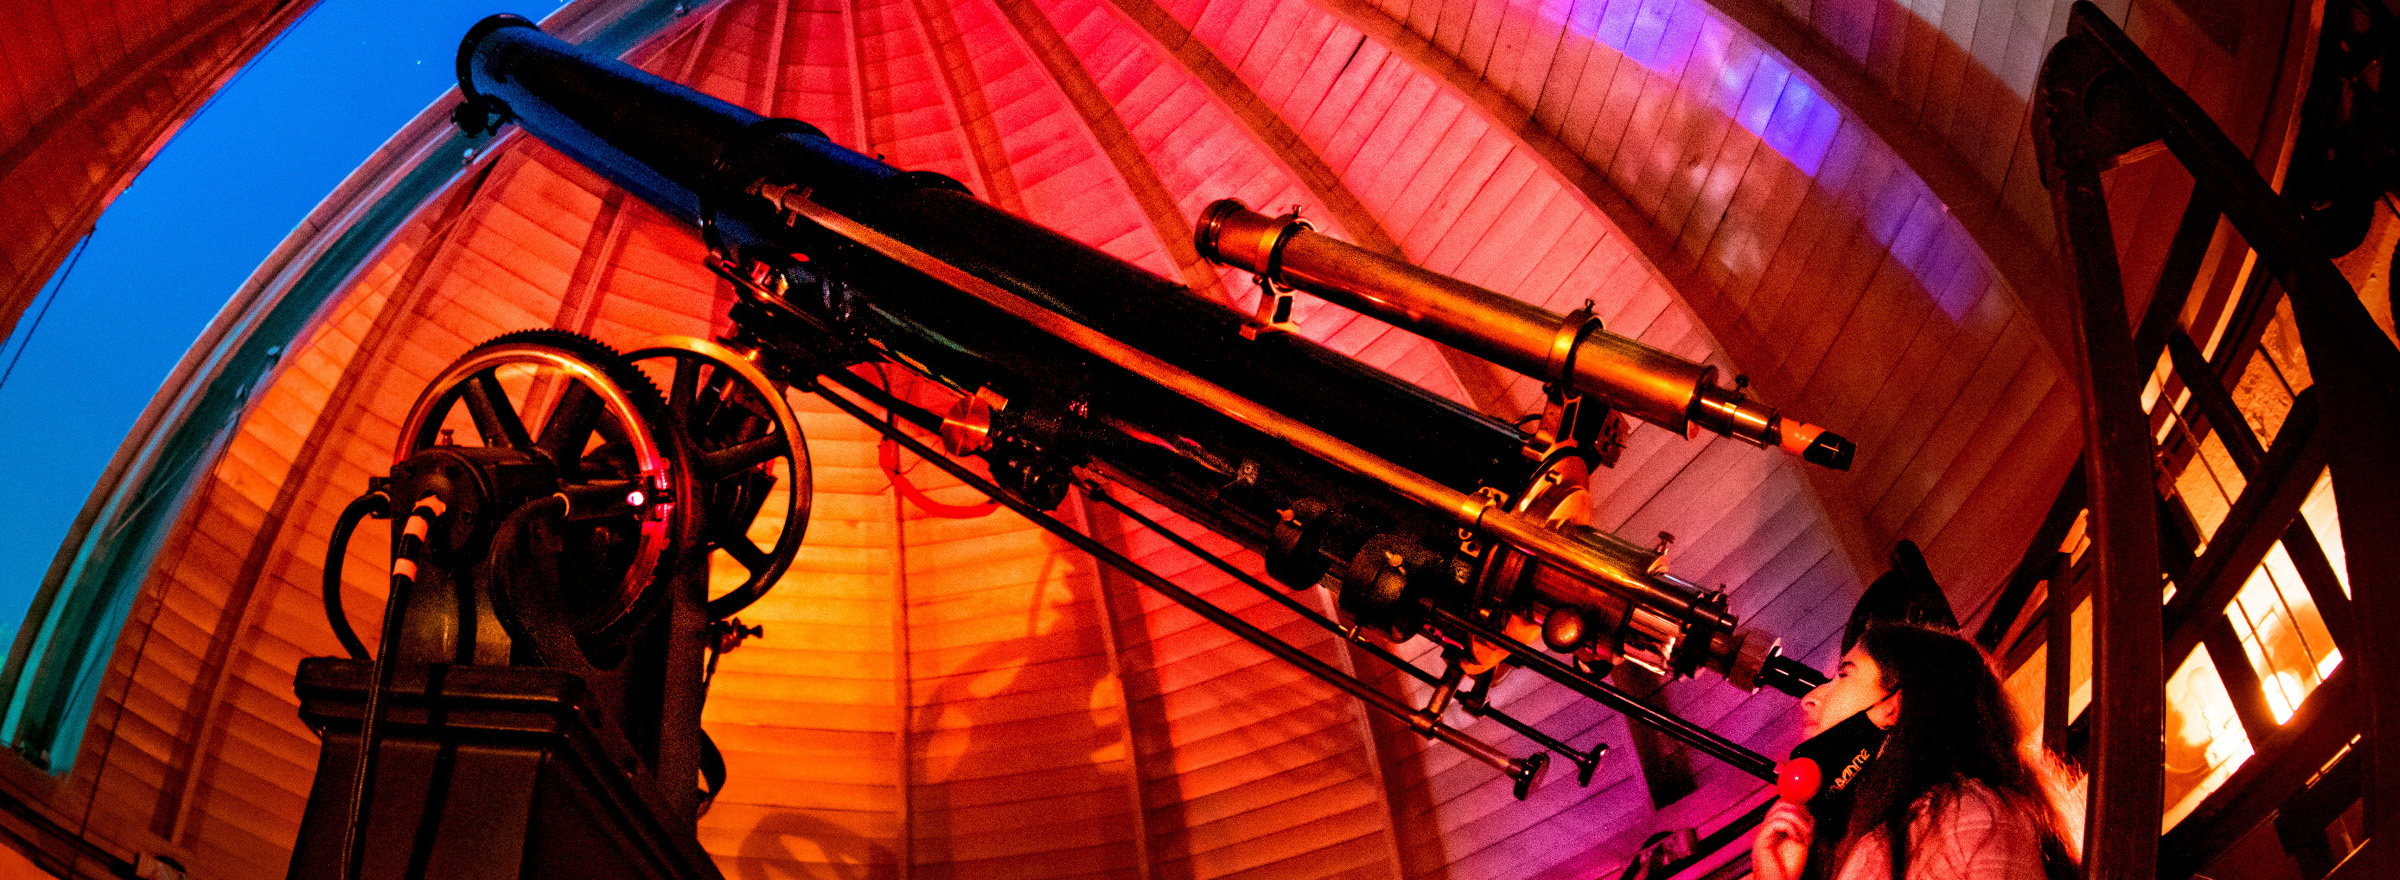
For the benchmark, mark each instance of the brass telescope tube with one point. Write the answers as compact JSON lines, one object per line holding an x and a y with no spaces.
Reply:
{"x":1633,"y":378}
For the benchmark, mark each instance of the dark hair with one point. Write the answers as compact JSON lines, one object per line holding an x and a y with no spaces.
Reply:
{"x":1955,"y":726}
{"x":1906,"y":594}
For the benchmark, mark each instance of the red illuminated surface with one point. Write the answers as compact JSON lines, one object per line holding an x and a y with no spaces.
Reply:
{"x":960,"y":694}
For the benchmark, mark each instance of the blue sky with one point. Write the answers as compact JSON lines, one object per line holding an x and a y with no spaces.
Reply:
{"x":177,"y":244}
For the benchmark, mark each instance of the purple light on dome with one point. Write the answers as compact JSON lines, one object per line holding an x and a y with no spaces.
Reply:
{"x":1759,"y":90}
{"x":1666,"y":37}
{"x":1800,"y":123}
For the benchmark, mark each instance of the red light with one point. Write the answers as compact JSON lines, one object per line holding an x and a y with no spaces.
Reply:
{"x":1798,"y":780}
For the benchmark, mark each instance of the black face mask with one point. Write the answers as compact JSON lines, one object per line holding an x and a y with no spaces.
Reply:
{"x":1841,"y":754}
{"x":1842,"y":751}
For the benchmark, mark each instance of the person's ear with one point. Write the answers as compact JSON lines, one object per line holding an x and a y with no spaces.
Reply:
{"x":1886,"y":711}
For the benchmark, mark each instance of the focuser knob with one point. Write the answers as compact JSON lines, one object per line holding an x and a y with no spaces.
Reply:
{"x":967,"y":427}
{"x":1297,"y":557}
{"x":1564,"y":629}
{"x":1526,"y":772}
{"x":1389,"y":579}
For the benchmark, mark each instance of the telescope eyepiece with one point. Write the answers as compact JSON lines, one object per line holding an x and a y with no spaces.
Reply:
{"x":1816,"y":445}
{"x":1831,"y":450}
{"x":1789,"y":676}
{"x":1731,"y":414}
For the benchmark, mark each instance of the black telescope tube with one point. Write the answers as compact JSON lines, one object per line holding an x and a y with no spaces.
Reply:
{"x":724,"y":168}
{"x":664,"y":142}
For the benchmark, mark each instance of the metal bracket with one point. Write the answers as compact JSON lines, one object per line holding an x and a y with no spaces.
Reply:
{"x":1564,"y":422}
{"x":1274,"y":296}
{"x":754,"y":277}
{"x":729,"y":633}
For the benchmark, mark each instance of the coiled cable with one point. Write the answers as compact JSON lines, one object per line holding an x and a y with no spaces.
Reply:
{"x":373,"y":504}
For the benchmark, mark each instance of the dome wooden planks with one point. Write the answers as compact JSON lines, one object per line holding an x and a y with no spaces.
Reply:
{"x":1812,"y":195}
{"x":91,"y":91}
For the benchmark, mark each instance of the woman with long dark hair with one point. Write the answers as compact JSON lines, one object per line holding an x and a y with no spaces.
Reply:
{"x":1954,"y":791}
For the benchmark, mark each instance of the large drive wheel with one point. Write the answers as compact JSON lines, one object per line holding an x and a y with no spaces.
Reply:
{"x":749,"y":464}
{"x":576,"y":403}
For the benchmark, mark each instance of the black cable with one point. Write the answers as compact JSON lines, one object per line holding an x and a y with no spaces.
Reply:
{"x":404,"y":576}
{"x":532,"y":603}
{"x":374,"y":504}
{"x":890,"y":413}
{"x":57,"y":286}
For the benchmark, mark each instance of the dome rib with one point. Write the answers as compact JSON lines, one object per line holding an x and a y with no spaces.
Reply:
{"x":1077,"y":513}
{"x":987,"y":158}
{"x":770,"y":82}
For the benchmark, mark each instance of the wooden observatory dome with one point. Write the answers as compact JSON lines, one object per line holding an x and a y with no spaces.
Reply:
{"x":1838,"y":200}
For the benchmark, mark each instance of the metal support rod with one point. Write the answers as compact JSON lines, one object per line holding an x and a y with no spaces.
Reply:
{"x":1280,"y":597}
{"x":1378,"y":700}
{"x":1584,"y":761}
{"x":1741,"y":757}
{"x":1601,"y":573}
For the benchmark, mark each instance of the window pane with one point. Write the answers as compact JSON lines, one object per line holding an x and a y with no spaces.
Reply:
{"x":2262,"y":395}
{"x":2326,"y":521}
{"x":2024,"y":687}
{"x":2208,"y":484}
{"x":2079,"y":664}
{"x":2204,"y":739}
{"x":2283,"y":634}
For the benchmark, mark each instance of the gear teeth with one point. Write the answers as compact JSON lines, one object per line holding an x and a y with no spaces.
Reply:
{"x":601,"y":355}
{"x":550,"y":335}
{"x":650,"y":408}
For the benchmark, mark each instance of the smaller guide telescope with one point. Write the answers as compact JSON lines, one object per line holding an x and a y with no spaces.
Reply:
{"x":1570,"y":352}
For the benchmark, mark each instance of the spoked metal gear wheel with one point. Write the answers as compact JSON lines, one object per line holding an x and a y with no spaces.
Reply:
{"x":750,"y":468}
{"x":577,"y":404}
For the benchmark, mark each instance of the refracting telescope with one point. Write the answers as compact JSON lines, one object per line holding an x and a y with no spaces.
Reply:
{"x":1063,"y":369}
{"x":1572,"y":353}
